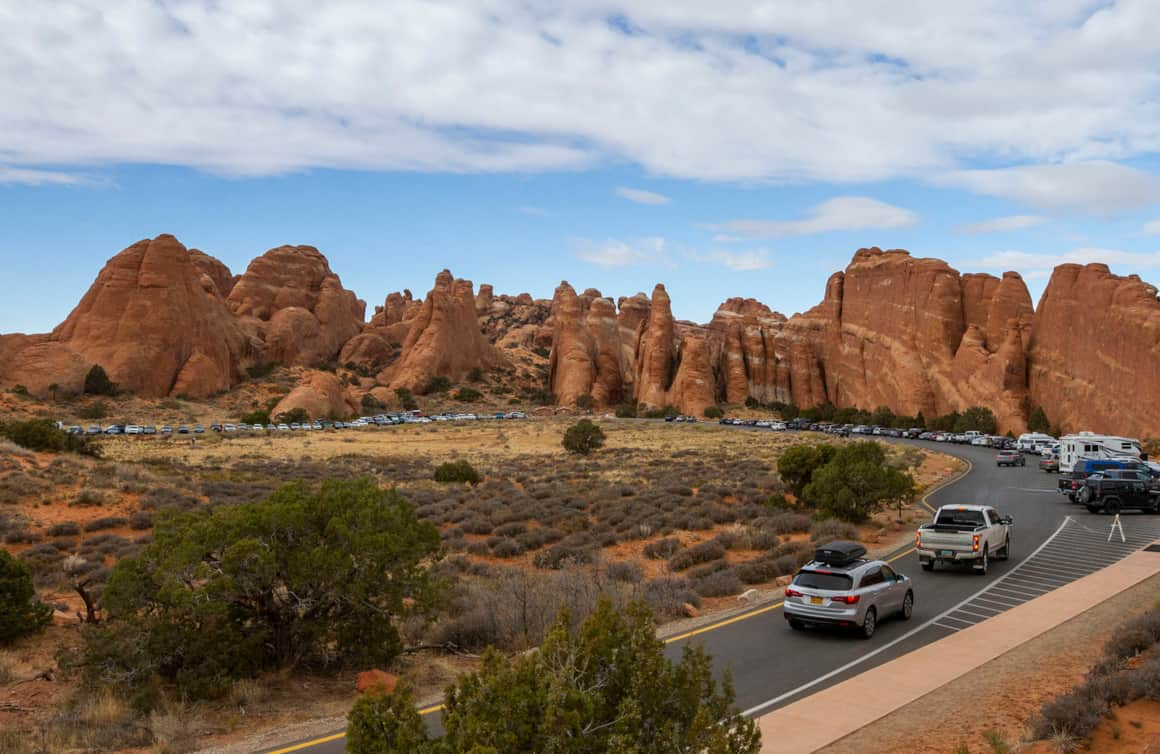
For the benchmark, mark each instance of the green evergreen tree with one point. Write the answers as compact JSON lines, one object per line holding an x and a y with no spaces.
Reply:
{"x":857,"y":483}
{"x":1037,"y":421}
{"x":382,"y":722}
{"x":97,"y":382}
{"x":583,"y":437}
{"x":21,"y":612}
{"x":798,"y":463}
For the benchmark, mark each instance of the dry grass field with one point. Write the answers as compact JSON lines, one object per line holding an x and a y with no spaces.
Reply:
{"x":682,"y":516}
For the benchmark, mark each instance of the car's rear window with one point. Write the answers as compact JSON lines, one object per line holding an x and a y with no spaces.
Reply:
{"x":960,"y":518}
{"x":835,"y":582}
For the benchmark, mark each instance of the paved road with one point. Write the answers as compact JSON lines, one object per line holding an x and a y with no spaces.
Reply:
{"x":1053,"y":543}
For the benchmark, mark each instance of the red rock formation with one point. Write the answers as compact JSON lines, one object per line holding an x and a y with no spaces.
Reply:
{"x":215,"y":270}
{"x":444,"y":339}
{"x":1095,"y":352}
{"x":321,"y":394}
{"x":656,"y":351}
{"x":483,"y":299}
{"x":586,"y":352}
{"x":693,"y":388}
{"x":368,"y":352}
{"x":742,"y":346}
{"x":303,"y":313}
{"x":157,"y":324}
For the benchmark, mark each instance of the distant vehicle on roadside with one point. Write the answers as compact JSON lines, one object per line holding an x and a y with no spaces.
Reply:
{"x":964,"y":535}
{"x":841,"y":588}
{"x":198,"y":429}
{"x":1010,"y":458}
{"x":1116,"y":490}
{"x":1029,"y":442}
{"x":1090,"y":446}
{"x":1049,"y":464}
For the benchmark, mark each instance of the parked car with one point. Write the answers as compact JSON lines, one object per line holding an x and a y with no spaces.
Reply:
{"x":1115,"y":490}
{"x":183,"y":430}
{"x":1049,"y":465}
{"x":839,"y":587}
{"x":964,"y":535}
{"x":1010,"y":458}
{"x":167,"y":430}
{"x":198,"y":429}
{"x":1071,"y":482}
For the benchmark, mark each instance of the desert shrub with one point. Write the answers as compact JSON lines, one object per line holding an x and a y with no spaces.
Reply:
{"x":406,"y":399}
{"x":661,"y":413}
{"x":478,"y":548}
{"x":88,"y":498}
{"x":140,"y":520}
{"x":21,"y":612}
{"x":1137,"y":635}
{"x":668,"y":596}
{"x":42,"y":434}
{"x":583,"y":437}
{"x":624,"y":570}
{"x":507,"y":548}
{"x":564,"y":555}
{"x":477,"y":525}
{"x":758,"y":571}
{"x":797,"y":464}
{"x":713,"y":412}
{"x":381,"y":722}
{"x":585,"y":402}
{"x":106,"y":522}
{"x":856,"y":483}
{"x":93,"y":410}
{"x":1037,"y":421}
{"x":534,"y":539}
{"x":706,"y":569}
{"x":64,"y":529}
{"x":978,"y":418}
{"x":21,"y":536}
{"x":296,"y":415}
{"x":698,"y":553}
{"x":256,"y":417}
{"x":626,"y":410}
{"x":97,"y":382}
{"x":348,"y":537}
{"x":511,"y":529}
{"x":263,"y":370}
{"x":167,"y":498}
{"x":785,"y":523}
{"x":1075,"y":714}
{"x":437,"y":385}
{"x":763,"y":539}
{"x":468,"y":395}
{"x":827,"y":530}
{"x":662,"y":548}
{"x":456,"y":471}
{"x":721,"y":583}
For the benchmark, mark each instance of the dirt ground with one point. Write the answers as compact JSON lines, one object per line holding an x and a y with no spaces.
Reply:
{"x":1002,"y":696}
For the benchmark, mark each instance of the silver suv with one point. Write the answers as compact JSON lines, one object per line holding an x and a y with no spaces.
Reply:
{"x":847,"y":593}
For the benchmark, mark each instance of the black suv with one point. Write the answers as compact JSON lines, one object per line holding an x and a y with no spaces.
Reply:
{"x":1113,"y":490}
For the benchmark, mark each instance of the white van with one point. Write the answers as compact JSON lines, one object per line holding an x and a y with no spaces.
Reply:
{"x":1032,"y":441}
{"x":1093,"y":446}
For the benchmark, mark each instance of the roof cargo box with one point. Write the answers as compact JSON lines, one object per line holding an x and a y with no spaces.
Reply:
{"x":839,"y":553}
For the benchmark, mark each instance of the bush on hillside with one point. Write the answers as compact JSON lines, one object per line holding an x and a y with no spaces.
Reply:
{"x":857,"y":483}
{"x":21,"y":612}
{"x":456,"y":471}
{"x":97,"y":382}
{"x":583,"y":437}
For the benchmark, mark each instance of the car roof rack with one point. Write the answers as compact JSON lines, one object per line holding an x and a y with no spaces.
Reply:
{"x":839,"y":553}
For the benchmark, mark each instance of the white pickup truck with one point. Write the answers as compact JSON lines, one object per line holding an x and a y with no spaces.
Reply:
{"x":964,"y":534}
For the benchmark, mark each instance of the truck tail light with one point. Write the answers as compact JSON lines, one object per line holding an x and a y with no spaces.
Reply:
{"x":791,"y":592}
{"x":849,"y":600}
{"x":917,"y":540}
{"x":975,"y":542}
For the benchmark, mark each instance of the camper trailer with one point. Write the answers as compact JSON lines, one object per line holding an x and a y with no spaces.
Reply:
{"x":1092,"y":446}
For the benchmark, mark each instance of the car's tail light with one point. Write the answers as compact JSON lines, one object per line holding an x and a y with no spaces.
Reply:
{"x":849,"y":600}
{"x":975,"y":542}
{"x":917,"y":540}
{"x":791,"y":592}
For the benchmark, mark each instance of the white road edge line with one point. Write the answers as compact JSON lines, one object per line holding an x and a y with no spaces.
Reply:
{"x":895,"y":642}
{"x":965,"y":611}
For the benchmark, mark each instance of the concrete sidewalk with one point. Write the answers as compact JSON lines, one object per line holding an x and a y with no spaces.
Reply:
{"x":811,"y":723}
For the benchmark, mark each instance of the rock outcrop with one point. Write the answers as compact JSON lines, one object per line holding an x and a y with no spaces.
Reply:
{"x":444,"y":338}
{"x":586,"y":355}
{"x":297,"y":306}
{"x":157,"y":324}
{"x":321,"y":395}
{"x":743,"y":346}
{"x":656,"y":351}
{"x":1094,"y":359}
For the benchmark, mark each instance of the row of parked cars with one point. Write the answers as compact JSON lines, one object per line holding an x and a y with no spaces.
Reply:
{"x":378,"y":420}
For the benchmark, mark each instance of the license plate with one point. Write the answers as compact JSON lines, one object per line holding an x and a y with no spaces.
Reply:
{"x":947,"y":553}
{"x":816,"y":600}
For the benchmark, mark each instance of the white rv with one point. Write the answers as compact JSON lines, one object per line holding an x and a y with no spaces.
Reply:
{"x":1090,"y":445}
{"x":1032,"y":441}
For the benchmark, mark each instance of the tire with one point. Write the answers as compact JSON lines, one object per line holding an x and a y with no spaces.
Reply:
{"x":869,"y":624}
{"x":907,"y":606}
{"x":928,"y":566}
{"x":983,"y":563}
{"x":1112,"y":506}
{"x":1006,"y":550}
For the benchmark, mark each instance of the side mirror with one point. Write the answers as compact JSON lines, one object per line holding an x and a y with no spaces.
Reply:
{"x":1007,"y":520}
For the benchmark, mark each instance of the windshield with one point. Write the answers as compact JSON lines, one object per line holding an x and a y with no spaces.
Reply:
{"x":834,"y":582}
{"x":960,"y":518}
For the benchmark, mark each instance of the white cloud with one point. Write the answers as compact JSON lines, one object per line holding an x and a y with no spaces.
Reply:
{"x":614,"y":253}
{"x":1039,"y":265}
{"x":844,"y":91}
{"x":1098,"y":186}
{"x":1003,"y":224}
{"x":30,"y":177}
{"x":1152,"y":227}
{"x":740,"y":261}
{"x":640,"y":196}
{"x":839,"y":213}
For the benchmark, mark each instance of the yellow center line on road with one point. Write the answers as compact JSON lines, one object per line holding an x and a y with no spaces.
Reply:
{"x":308,"y":744}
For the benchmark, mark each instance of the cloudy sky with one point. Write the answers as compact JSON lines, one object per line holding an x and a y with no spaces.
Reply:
{"x":725,"y":148}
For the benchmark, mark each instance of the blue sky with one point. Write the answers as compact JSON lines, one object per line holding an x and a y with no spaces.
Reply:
{"x":741,"y":150}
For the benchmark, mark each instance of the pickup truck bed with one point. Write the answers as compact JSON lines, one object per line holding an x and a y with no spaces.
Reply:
{"x":969,"y":535}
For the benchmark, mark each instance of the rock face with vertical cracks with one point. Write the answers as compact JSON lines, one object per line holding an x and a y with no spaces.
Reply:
{"x":586,"y":356}
{"x":1095,"y":352}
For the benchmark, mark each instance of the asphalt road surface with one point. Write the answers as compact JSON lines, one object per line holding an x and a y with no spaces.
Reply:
{"x":1053,"y":542}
